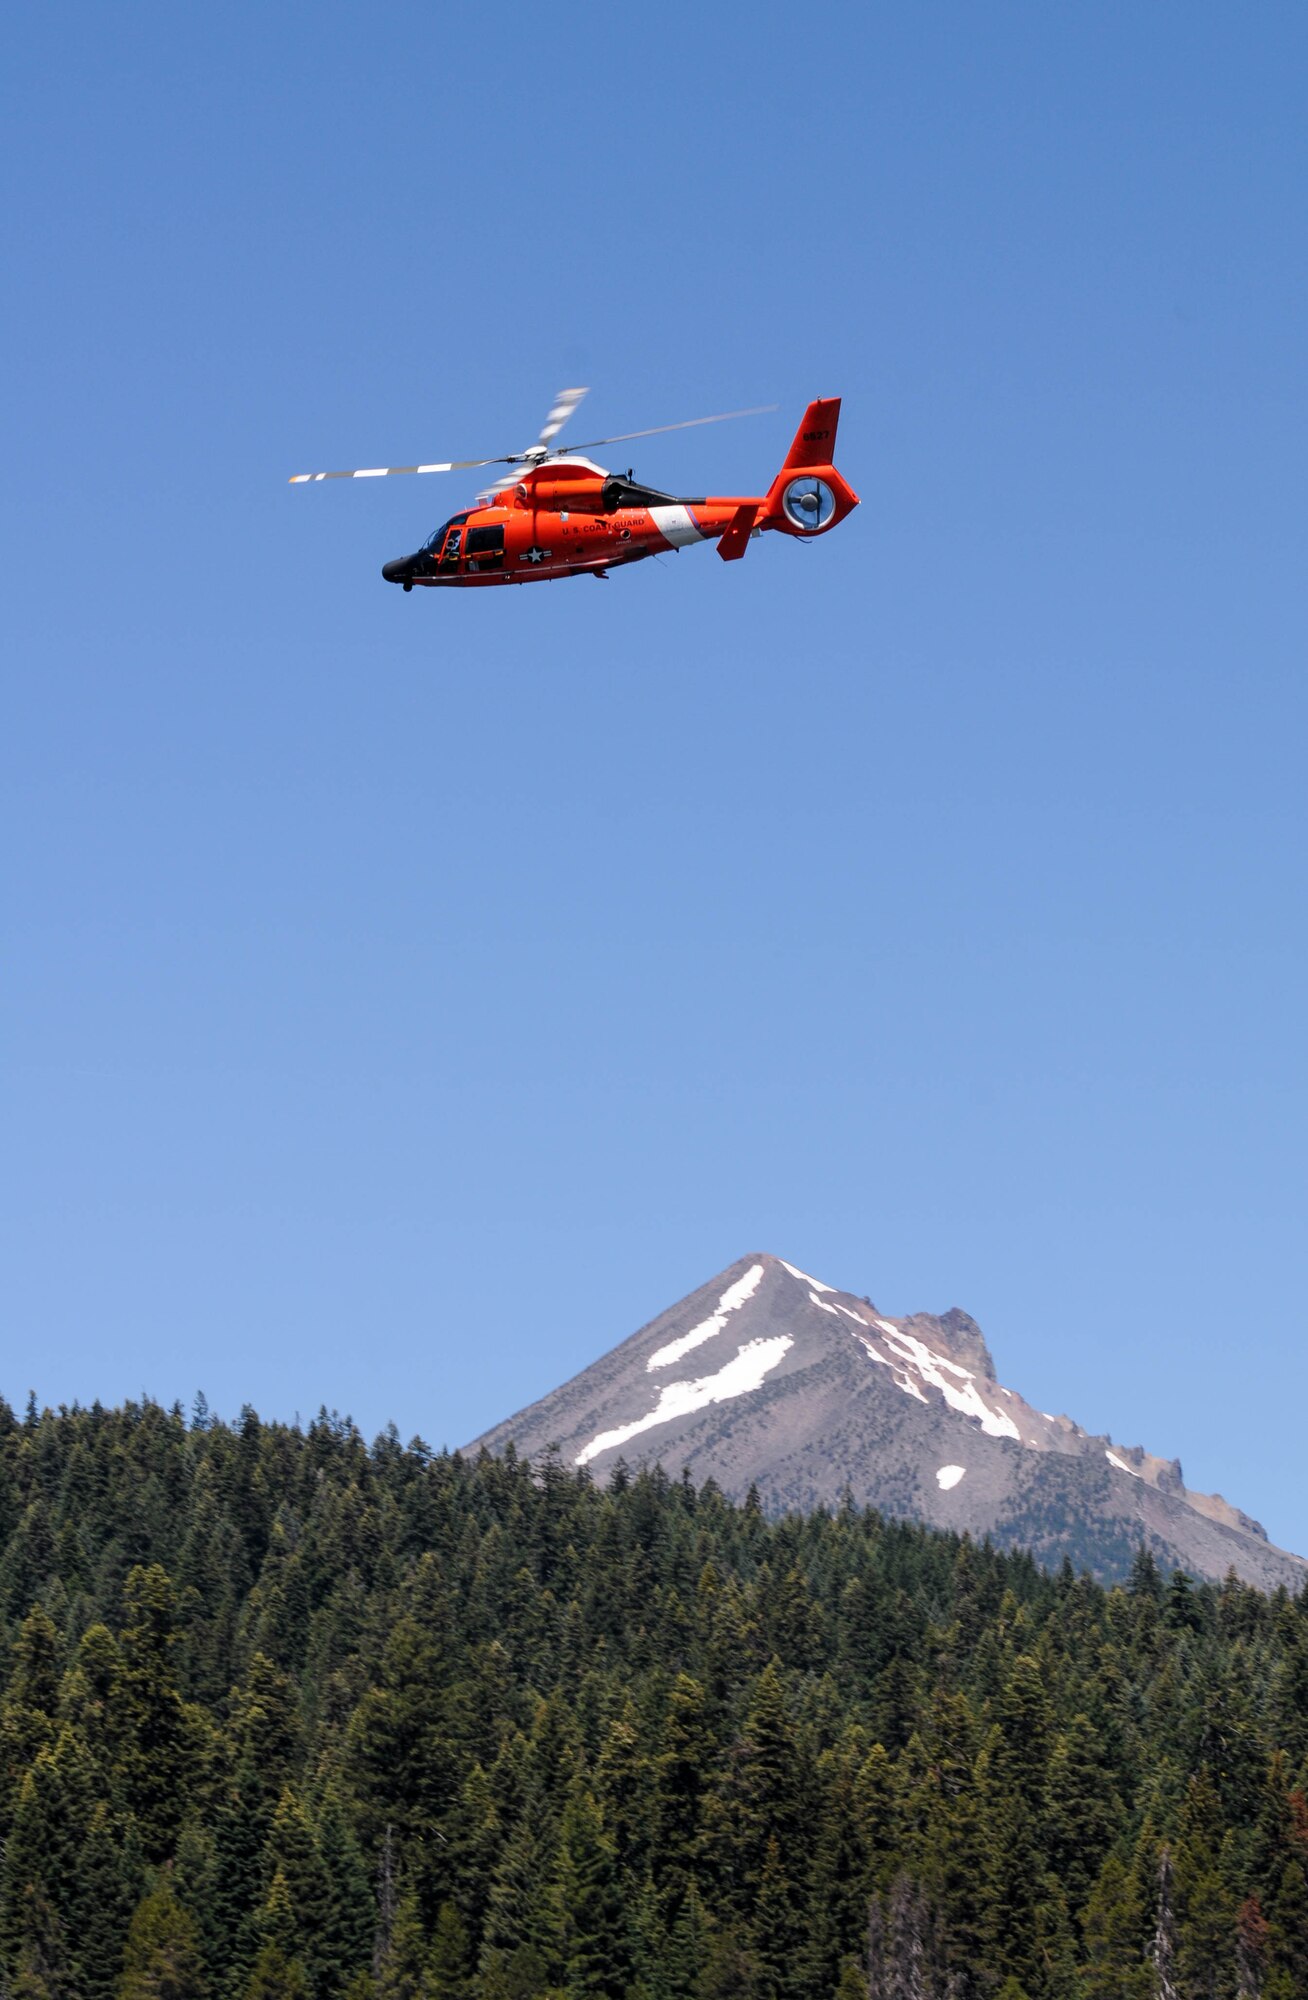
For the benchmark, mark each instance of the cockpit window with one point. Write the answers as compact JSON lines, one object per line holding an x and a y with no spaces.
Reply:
{"x":432,"y":545}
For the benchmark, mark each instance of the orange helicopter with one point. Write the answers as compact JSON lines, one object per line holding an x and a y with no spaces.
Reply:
{"x":555,"y":513}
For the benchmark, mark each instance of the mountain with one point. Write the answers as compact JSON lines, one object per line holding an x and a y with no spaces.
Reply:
{"x":768,"y":1377}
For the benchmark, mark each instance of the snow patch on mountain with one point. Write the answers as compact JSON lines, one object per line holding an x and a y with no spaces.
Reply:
{"x":744,"y":1372}
{"x":915,"y":1358}
{"x":1121,"y":1464}
{"x":857,"y":1318}
{"x":731,"y":1301}
{"x":948,"y":1476}
{"x":899,"y":1376}
{"x":804,"y":1278}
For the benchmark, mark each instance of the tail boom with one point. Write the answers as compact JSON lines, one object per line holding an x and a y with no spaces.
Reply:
{"x":807,"y":498}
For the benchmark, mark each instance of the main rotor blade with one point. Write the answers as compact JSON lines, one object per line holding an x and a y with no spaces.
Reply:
{"x":689,"y":424}
{"x":388,"y":471}
{"x":564,"y":404}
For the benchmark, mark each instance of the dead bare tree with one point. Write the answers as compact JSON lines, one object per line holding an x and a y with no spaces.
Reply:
{"x":1163,"y":1950}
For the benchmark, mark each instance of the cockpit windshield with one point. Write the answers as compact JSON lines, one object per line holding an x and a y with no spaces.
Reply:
{"x":432,"y":545}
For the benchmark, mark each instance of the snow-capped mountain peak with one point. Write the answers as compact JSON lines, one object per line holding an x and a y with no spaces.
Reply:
{"x":768,"y":1376}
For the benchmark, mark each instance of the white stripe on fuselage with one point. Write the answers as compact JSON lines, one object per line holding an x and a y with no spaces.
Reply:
{"x":676,"y":525}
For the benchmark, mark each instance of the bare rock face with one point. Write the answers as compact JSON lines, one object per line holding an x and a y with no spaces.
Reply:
{"x":770,"y":1378}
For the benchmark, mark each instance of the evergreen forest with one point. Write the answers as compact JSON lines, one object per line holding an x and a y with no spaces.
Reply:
{"x":289,"y":1716}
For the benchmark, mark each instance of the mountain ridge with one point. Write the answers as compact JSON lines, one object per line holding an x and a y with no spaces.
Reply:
{"x":765,"y":1376}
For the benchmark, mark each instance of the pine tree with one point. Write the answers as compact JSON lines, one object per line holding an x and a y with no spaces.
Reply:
{"x":777,"y":1930}
{"x":345,"y":1945}
{"x":1113,"y":1926}
{"x":387,"y":1897}
{"x":1023,"y":1712}
{"x":591,"y":1928}
{"x":162,"y":1957}
{"x":194,"y":1877}
{"x":266,"y":1734}
{"x":37,"y":1654}
{"x":624,"y":1790}
{"x":1009,"y":1917}
{"x":43,"y":1852}
{"x":688,"y":1946}
{"x":109,"y":1884}
{"x":1251,"y":1950}
{"x":648,"y":1945}
{"x":730,"y":1971}
{"x":402,"y":1973}
{"x":1146,"y":1578}
{"x":27,"y":1713}
{"x":41,"y":1967}
{"x":89,"y":1698}
{"x":1288,"y":1927}
{"x":275,"y":1977}
{"x":1206,"y":1919}
{"x":830,"y":1879}
{"x":278,"y":1973}
{"x":291,"y":1855}
{"x":1273,"y":1841}
{"x":240,"y":1824}
{"x":852,"y":1983}
{"x":450,"y":1961}
{"x":160,"y":1750}
{"x":877,"y":1814}
{"x":1056,"y":1955}
{"x":771,"y":1792}
{"x":1083,"y":1813}
{"x":681,"y":1766}
{"x":521,"y":1914}
{"x":474,"y":1838}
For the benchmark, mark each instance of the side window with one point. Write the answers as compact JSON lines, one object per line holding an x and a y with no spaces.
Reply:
{"x":486,"y":547}
{"x":450,"y":553}
{"x":486,"y":541}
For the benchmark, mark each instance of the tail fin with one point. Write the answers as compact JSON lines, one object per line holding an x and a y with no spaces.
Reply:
{"x":815,"y":440}
{"x":808,"y":496}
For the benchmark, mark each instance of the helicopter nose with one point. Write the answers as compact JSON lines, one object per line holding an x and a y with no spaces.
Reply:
{"x":398,"y":571}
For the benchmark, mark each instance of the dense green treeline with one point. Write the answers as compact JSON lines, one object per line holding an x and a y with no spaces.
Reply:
{"x":285,"y":1715}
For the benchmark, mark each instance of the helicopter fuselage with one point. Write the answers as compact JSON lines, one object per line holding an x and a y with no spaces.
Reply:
{"x":532,"y":536}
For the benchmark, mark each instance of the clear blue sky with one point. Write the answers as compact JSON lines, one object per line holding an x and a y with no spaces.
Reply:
{"x":406,"y":997}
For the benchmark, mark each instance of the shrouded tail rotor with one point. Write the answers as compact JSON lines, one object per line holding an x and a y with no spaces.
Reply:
{"x":808,"y":495}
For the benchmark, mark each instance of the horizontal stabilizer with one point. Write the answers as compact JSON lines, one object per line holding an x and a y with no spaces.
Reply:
{"x":735,"y":536}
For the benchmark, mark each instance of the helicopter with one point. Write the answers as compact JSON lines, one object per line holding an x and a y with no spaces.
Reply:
{"x":555,"y":513}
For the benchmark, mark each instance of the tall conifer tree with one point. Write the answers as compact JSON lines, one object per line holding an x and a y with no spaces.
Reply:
{"x":162,"y":1957}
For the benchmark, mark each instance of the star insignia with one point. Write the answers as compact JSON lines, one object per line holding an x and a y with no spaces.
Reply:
{"x":537,"y":555}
